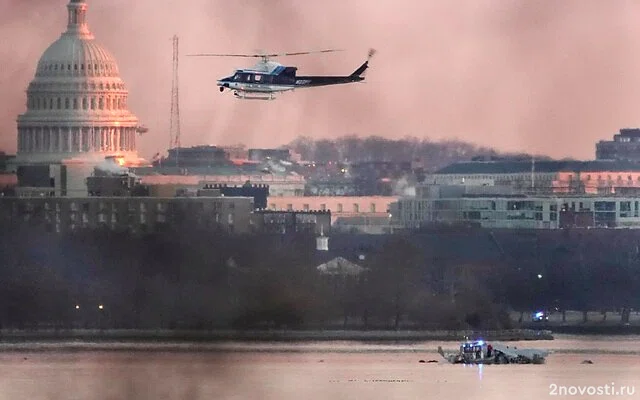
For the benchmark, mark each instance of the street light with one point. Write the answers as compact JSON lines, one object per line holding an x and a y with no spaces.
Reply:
{"x":539,"y":276}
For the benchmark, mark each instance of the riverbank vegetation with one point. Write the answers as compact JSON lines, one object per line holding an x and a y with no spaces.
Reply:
{"x":196,"y":279}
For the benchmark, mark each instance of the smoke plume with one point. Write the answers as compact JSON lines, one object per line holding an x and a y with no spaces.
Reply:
{"x":111,"y":167}
{"x":543,"y":77}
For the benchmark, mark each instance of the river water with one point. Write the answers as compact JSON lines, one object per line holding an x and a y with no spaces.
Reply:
{"x":320,"y":370}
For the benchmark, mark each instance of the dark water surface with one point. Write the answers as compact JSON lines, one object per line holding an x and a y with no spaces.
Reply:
{"x":320,"y":370}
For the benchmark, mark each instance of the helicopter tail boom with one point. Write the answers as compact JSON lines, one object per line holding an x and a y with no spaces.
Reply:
{"x":358,"y":72}
{"x":361,"y":70}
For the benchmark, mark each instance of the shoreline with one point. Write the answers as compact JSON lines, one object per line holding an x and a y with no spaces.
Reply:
{"x":213,"y":336}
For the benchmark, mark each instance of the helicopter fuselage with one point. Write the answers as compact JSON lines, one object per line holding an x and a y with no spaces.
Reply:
{"x":266,"y":80}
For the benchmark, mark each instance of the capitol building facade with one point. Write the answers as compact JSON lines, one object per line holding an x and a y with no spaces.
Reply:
{"x":77,"y":115}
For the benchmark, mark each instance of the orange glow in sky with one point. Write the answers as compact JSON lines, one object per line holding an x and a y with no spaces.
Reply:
{"x":549,"y":77}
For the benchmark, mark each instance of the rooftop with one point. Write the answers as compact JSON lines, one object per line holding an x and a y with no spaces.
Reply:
{"x":542,"y":166}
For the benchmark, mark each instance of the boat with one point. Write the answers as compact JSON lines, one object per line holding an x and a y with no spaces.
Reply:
{"x":482,"y":352}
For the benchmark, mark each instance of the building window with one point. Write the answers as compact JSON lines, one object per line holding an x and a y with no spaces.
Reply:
{"x":305,"y":207}
{"x":323,"y":207}
{"x":289,"y":207}
{"x":372,"y":207}
{"x":339,"y":208}
{"x":66,"y":103}
{"x":356,"y":207}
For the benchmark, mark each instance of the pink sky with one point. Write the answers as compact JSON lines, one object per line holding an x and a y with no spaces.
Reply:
{"x":550,"y":77}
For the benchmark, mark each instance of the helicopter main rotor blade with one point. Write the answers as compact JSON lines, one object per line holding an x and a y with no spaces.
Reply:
{"x":263,"y":55}
{"x":224,"y":55}
{"x":305,"y":52}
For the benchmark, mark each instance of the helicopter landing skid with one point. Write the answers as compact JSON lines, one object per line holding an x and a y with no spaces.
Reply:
{"x":253,"y":96}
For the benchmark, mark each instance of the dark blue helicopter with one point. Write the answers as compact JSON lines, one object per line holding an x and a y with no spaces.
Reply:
{"x":267,"y":78}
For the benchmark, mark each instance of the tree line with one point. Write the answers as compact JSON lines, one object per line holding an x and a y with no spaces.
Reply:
{"x":195,"y":278}
{"x":433,"y":154}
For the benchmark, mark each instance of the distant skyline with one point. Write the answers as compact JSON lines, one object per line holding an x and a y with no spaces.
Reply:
{"x":548,"y":78}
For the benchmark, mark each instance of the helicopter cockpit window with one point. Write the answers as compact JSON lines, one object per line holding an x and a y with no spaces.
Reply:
{"x":237,"y":77}
{"x":257,"y":78}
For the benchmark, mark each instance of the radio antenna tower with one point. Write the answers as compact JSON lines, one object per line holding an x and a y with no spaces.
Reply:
{"x":174,"y":123}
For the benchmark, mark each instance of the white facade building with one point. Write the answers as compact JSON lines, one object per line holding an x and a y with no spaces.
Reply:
{"x":519,"y":212}
{"x":76,"y":112}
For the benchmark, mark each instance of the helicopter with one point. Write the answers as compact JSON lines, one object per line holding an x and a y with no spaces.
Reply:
{"x":267,"y":78}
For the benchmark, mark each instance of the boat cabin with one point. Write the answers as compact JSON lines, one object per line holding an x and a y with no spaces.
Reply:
{"x":474,"y":350}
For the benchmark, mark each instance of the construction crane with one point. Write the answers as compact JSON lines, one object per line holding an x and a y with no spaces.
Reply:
{"x":174,"y":123}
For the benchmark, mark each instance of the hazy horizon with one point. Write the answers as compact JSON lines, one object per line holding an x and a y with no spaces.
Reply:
{"x":549,"y":78}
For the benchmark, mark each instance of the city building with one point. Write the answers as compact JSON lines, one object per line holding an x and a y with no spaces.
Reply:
{"x":543,"y":177}
{"x":196,"y":156}
{"x":77,"y":114}
{"x":283,"y":222}
{"x":464,"y":206}
{"x":286,"y":183}
{"x":236,"y":152}
{"x":269,"y":154}
{"x":364,"y":214}
{"x":4,"y":160}
{"x":624,"y":146}
{"x":259,"y":193}
{"x":136,"y":215}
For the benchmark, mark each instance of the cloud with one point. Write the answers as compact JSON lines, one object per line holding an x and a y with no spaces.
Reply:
{"x":545,"y":77}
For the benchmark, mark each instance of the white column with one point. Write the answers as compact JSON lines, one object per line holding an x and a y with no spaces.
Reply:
{"x":80,"y":141}
{"x":32,"y":140}
{"x":69,"y":140}
{"x":92,"y":139}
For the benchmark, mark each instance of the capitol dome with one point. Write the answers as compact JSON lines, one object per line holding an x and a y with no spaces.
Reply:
{"x":77,"y":103}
